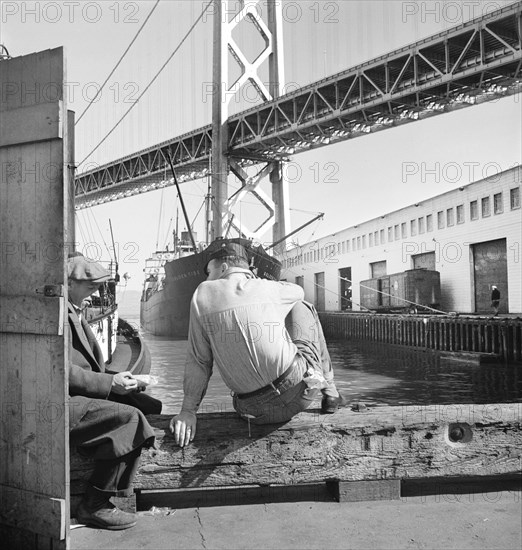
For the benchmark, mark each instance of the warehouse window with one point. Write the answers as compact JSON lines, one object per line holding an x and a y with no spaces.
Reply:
{"x":382,"y":236}
{"x":440,"y":220}
{"x":390,"y":234}
{"x":429,"y":222}
{"x":498,"y":203}
{"x":396,"y":232}
{"x":378,"y":269}
{"x":473,"y":210}
{"x":450,"y":217}
{"x":404,"y":232}
{"x":413,"y":228}
{"x":514,"y":197}
{"x":376,"y":238}
{"x":370,"y":239}
{"x":460,"y":213}
{"x":486,"y":207}
{"x":422,"y":227}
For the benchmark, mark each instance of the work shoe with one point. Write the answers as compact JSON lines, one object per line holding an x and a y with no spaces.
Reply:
{"x":107,"y":517}
{"x":330,"y":404}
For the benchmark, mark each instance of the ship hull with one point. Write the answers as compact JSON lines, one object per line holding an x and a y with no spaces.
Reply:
{"x":166,"y":312}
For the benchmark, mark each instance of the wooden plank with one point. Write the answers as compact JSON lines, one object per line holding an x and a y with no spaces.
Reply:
{"x":357,"y":491}
{"x":381,"y":443}
{"x":33,"y":355}
{"x":32,"y":315}
{"x":31,"y":124}
{"x":232,"y":496}
{"x":21,"y":509}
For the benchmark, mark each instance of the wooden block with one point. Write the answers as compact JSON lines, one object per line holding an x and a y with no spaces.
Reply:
{"x":356,"y":491}
{"x":380,"y":443}
{"x":369,"y":451}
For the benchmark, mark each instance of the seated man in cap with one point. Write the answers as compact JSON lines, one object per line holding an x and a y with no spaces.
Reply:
{"x":266,"y":341}
{"x":101,"y":425}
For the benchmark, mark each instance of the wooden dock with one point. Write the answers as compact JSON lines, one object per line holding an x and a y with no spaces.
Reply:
{"x":360,"y":455}
{"x":491,"y":337}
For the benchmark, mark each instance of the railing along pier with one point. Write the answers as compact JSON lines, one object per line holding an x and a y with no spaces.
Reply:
{"x":483,"y":335}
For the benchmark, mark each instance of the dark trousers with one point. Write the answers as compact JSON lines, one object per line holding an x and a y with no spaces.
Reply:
{"x":113,"y":434}
{"x":293,"y":395}
{"x":114,"y":477}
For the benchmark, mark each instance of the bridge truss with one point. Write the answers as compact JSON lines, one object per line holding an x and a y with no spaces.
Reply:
{"x":478,"y":61}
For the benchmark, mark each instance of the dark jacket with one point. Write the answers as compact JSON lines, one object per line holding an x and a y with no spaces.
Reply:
{"x":87,"y":374}
{"x":100,"y":422}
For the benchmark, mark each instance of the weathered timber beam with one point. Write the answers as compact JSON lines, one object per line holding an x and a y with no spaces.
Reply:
{"x":376,"y":444}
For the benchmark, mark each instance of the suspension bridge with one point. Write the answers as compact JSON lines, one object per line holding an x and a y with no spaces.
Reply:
{"x":475,"y":62}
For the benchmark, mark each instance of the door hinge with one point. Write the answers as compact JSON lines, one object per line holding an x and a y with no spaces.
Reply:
{"x":50,"y":291}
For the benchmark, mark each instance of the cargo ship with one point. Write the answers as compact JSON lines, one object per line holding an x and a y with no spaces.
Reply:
{"x":172,"y":276}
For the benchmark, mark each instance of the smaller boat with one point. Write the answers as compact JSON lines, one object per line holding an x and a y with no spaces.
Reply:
{"x":122,"y":346}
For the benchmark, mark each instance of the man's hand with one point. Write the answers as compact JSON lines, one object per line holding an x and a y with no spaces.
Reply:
{"x":124,"y":383}
{"x":183,"y":426}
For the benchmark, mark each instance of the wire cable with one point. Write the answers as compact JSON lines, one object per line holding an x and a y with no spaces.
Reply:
{"x":396,"y":297}
{"x":151,"y":82}
{"x":119,"y":62}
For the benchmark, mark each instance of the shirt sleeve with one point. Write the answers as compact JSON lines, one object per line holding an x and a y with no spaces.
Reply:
{"x":198,"y":365}
{"x":291,"y":293}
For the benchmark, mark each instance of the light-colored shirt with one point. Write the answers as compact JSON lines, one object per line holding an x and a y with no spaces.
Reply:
{"x":237,"y":323}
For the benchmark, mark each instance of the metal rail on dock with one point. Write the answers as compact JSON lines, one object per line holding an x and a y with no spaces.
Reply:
{"x":500,"y":336}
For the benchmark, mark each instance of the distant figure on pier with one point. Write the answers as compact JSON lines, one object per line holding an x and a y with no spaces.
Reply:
{"x":495,"y":299}
{"x":266,"y":341}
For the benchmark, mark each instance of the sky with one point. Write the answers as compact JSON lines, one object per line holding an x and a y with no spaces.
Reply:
{"x":350,"y":182}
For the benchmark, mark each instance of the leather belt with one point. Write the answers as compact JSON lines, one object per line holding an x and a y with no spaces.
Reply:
{"x":273,"y":386}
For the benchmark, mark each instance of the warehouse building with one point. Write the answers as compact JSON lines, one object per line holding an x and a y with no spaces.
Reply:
{"x":471,"y":236}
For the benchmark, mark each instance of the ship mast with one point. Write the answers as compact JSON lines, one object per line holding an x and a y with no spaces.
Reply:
{"x":208,"y":213}
{"x":182,"y":202}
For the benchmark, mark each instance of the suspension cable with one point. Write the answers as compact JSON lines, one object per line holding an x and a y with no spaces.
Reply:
{"x":150,"y":83}
{"x":118,"y":63}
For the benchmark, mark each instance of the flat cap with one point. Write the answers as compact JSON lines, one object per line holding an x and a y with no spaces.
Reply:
{"x":81,"y":268}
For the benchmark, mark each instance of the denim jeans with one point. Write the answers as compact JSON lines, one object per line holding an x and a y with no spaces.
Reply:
{"x":294,"y":395}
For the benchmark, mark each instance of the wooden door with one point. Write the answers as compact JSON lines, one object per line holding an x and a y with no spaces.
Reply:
{"x":345,"y":276}
{"x":490,"y":268}
{"x":34,"y":471}
{"x":319,"y":293}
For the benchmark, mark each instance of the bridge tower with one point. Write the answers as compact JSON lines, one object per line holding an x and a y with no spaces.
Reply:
{"x":222,"y":161}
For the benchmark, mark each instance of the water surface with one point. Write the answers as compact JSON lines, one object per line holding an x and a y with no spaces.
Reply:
{"x":368,"y":372}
